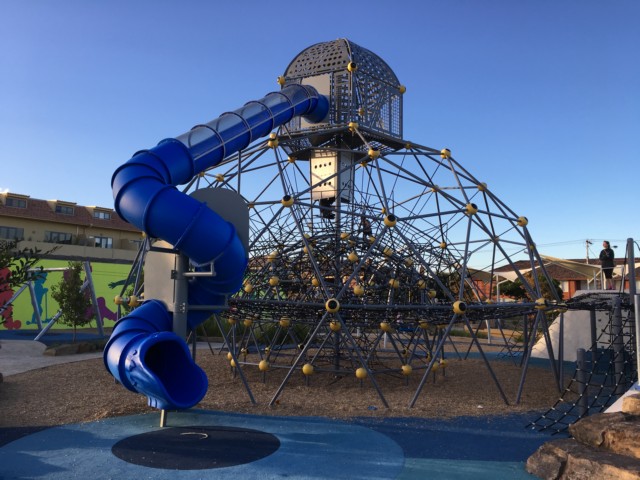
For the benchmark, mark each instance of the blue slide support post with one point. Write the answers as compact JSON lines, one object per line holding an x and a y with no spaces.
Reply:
{"x":143,"y":353}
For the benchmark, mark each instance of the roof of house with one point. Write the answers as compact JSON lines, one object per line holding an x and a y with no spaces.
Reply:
{"x":572,"y":269}
{"x":44,"y":210}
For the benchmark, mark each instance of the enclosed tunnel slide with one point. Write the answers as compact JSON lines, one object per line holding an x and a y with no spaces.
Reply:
{"x":143,"y":353}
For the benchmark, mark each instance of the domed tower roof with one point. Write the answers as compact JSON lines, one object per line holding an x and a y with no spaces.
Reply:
{"x":335,"y":56}
{"x":361,"y":87}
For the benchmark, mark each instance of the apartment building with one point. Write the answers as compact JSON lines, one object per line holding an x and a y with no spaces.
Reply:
{"x":79,"y":232}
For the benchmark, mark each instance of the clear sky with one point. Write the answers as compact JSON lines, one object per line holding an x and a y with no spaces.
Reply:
{"x":540,"y":99}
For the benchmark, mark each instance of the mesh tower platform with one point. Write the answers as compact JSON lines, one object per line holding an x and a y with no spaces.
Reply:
{"x":366,"y":249}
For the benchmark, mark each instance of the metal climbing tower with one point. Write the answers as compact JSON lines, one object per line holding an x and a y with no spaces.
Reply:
{"x":365,"y":248}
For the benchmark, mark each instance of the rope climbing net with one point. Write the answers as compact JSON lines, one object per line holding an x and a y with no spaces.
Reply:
{"x":604,"y":372}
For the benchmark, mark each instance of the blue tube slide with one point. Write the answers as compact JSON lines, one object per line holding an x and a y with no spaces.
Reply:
{"x":143,"y":353}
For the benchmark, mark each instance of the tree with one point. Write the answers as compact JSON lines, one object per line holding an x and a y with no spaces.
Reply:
{"x":16,"y":268}
{"x":517,"y":291}
{"x":74,"y":302}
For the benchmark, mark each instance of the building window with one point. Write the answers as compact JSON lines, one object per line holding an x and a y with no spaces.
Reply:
{"x":11,"y":233}
{"x":103,"y":242}
{"x":58,"y":237}
{"x":16,"y":202}
{"x":64,"y":209}
{"x":102,"y":215}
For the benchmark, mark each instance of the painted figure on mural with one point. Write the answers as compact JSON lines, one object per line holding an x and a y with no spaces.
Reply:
{"x":6,"y":313}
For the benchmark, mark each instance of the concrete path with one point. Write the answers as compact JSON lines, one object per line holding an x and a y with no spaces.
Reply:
{"x":18,"y":356}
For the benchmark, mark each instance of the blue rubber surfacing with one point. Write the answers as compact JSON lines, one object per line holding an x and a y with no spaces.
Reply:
{"x":371,"y":448}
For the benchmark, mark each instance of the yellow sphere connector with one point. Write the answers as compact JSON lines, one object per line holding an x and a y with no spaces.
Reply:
{"x":287,"y":200}
{"x":248,"y":288}
{"x":471,"y":208}
{"x":263,"y":365}
{"x":247,"y":322}
{"x":358,"y":290}
{"x":281,"y":80}
{"x":353,"y":257}
{"x":307,"y":369}
{"x":406,"y":370}
{"x":133,"y":301}
{"x":315,"y":282}
{"x":432,"y":293}
{"x":541,"y":303}
{"x":353,"y":126}
{"x":274,"y":281}
{"x":118,"y":300}
{"x":373,"y":153}
{"x":332,"y":305}
{"x":482,"y":187}
{"x":335,"y":326}
{"x":219,"y":177}
{"x":402,"y":89}
{"x":285,"y":322}
{"x":394,"y":283}
{"x":361,"y":373}
{"x":390,"y":220}
{"x":273,"y":141}
{"x":459,"y":307}
{"x":443,"y":245}
{"x":445,"y":153}
{"x":522,"y":221}
{"x":352,"y":67}
{"x":385,"y":327}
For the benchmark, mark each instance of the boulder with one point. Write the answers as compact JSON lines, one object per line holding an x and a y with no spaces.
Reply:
{"x":568,"y":459}
{"x":631,"y":404}
{"x":615,"y":432}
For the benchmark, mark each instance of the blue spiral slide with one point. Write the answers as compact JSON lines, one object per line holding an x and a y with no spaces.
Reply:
{"x":143,"y":353}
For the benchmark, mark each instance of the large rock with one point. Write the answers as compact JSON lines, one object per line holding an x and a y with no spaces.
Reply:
{"x":631,"y":404}
{"x":615,"y":432}
{"x":568,"y":459}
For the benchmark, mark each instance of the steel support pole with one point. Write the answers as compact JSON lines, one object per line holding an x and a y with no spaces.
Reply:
{"x":581,"y":378}
{"x":34,"y":304}
{"x":180,"y":297}
{"x":594,"y":338}
{"x":94,"y":298}
{"x":633,"y":296}
{"x":618,"y":347}
{"x":561,"y":350}
{"x":636,"y":307}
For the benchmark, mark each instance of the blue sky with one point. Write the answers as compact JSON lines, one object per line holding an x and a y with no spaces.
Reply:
{"x":540,"y":99}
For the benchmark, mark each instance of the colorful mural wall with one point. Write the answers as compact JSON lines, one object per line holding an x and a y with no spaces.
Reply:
{"x":108,"y":279}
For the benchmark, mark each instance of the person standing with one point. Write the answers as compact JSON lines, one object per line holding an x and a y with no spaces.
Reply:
{"x":607,"y":264}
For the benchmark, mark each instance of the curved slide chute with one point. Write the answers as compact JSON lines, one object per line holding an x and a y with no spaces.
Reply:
{"x":143,"y":353}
